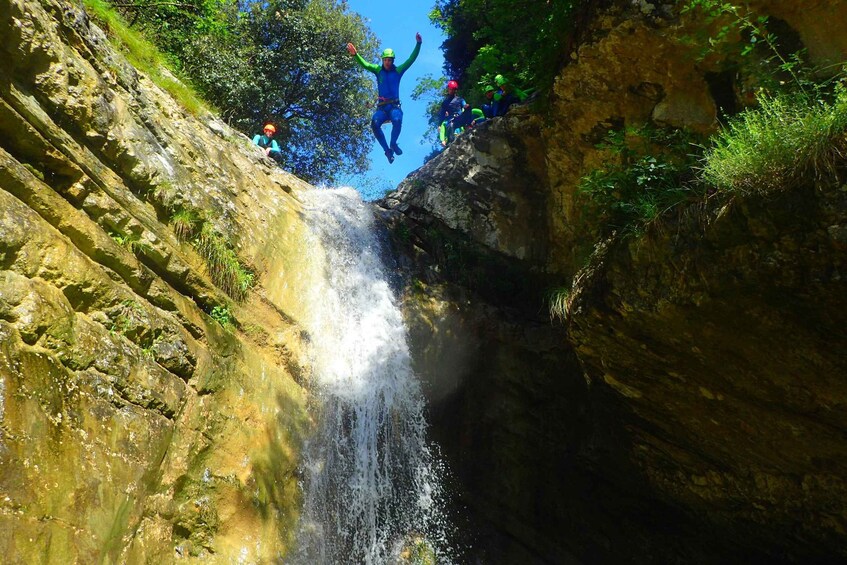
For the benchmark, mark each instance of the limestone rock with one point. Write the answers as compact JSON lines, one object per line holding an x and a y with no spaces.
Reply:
{"x":135,"y":428}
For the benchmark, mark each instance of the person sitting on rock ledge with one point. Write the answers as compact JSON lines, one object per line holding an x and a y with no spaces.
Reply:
{"x":453,"y":115}
{"x":489,"y":109}
{"x":268,"y":143}
{"x":507,"y":95}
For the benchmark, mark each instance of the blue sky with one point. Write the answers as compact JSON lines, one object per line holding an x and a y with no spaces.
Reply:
{"x":395,"y":24}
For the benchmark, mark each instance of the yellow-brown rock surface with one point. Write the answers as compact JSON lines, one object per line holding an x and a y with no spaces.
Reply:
{"x":135,"y":427}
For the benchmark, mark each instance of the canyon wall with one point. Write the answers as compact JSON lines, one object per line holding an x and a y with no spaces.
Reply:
{"x":690,"y":406}
{"x":147,"y":415}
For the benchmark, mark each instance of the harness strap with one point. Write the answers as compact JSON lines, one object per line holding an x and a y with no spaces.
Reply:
{"x":387,"y":102}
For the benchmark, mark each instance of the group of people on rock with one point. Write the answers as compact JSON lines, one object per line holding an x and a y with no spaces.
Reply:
{"x":455,"y":115}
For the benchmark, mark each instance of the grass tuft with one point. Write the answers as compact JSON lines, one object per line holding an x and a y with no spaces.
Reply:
{"x":131,"y":242}
{"x":772,"y":146}
{"x":558,"y":303}
{"x":145,"y":56}
{"x":186,"y":223}
{"x":224,"y":267}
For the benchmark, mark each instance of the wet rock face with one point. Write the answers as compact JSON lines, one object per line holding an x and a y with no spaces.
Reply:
{"x":691,"y":409}
{"x":133,"y":426}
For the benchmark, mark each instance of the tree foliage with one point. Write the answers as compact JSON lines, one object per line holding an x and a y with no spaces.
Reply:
{"x":279,"y":61}
{"x":430,"y":90}
{"x":525,"y":40}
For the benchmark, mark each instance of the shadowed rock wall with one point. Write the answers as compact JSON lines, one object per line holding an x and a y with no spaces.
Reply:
{"x":689,"y":410}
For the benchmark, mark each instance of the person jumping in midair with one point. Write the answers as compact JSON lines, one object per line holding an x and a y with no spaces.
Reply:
{"x":388,"y":89}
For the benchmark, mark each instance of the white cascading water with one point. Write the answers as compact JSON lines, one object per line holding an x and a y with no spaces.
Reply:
{"x":372,"y":489}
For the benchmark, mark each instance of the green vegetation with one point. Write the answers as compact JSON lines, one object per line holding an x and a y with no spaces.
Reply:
{"x":128,"y":316}
{"x":771,"y":62}
{"x":281,"y":61}
{"x":525,"y":40}
{"x":223,"y":316}
{"x":226,"y":270}
{"x":558,"y":303}
{"x":418,"y":551}
{"x":148,"y":349}
{"x":145,"y":56}
{"x":130,"y":241}
{"x":224,"y":267}
{"x":794,"y":123}
{"x":788,"y":123}
{"x":186,"y":223}
{"x":647,"y":171}
{"x":771,"y":147}
{"x":430,"y":90}
{"x":797,"y":124}
{"x":37,"y":173}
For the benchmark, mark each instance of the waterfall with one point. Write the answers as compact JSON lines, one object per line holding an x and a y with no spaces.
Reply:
{"x":370,"y":480}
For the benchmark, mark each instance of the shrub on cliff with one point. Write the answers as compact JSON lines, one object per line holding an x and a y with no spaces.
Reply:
{"x":784,"y":139}
{"x":645,"y":172}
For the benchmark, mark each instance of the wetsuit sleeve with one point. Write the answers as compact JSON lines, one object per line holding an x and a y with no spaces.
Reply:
{"x":372,"y":67}
{"x":408,"y":63}
{"x":275,"y":146}
{"x":256,"y":139}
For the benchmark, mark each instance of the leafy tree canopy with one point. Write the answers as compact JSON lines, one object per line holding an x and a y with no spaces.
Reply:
{"x":524,"y":40}
{"x":279,"y":61}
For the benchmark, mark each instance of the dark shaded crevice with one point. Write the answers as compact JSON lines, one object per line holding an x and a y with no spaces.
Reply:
{"x":723,"y":90}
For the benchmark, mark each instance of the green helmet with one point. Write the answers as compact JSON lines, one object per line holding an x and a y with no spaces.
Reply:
{"x":388,"y":54}
{"x":500,"y":80}
{"x":488,"y":89}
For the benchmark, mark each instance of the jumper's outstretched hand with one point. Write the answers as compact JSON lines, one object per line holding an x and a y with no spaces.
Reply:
{"x":351,"y":49}
{"x":418,"y":37}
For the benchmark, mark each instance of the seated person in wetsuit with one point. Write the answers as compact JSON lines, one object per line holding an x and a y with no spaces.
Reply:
{"x":268,"y":143}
